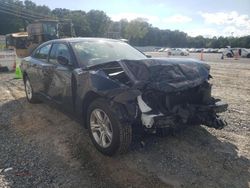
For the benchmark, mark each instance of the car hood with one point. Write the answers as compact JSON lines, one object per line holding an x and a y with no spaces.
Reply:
{"x":168,"y":75}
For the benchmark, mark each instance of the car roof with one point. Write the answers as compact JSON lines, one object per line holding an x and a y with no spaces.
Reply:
{"x":79,"y":39}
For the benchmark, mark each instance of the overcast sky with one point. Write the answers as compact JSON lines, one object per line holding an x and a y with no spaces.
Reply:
{"x":195,"y":17}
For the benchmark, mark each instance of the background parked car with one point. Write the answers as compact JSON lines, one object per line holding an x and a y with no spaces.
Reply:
{"x":177,"y":51}
{"x":161,"y":49}
{"x":231,"y":52}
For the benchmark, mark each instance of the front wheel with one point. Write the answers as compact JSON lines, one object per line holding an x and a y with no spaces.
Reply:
{"x":108,"y":135}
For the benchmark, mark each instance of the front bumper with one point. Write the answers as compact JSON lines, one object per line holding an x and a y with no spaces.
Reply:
{"x":218,"y":107}
{"x":182,"y":115}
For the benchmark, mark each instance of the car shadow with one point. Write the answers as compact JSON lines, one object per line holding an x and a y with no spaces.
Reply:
{"x":63,"y":154}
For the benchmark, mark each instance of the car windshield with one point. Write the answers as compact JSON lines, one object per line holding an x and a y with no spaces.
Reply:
{"x":92,"y":53}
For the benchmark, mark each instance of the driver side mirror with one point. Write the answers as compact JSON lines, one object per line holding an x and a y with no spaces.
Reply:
{"x":62,"y":60}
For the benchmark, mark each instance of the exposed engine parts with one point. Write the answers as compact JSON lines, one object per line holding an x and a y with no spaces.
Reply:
{"x":193,"y":106}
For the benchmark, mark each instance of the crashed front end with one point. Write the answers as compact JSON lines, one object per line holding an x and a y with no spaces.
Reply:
{"x":193,"y":106}
{"x":164,"y":93}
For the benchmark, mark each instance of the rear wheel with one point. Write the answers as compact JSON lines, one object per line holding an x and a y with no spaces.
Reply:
{"x":108,"y":135}
{"x":229,"y":55}
{"x":29,"y":91}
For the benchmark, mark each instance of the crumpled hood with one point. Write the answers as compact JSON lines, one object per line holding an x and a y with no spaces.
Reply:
{"x":168,"y":75}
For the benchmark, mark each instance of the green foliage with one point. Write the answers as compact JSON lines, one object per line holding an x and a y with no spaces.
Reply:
{"x":81,"y":24}
{"x":9,"y":24}
{"x":136,"y":30}
{"x":96,"y":23}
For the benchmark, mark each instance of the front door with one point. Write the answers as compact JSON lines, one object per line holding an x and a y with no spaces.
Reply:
{"x":41,"y":70}
{"x":60,"y":89}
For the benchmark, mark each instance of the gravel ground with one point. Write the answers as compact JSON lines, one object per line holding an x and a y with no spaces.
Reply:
{"x":42,"y":147}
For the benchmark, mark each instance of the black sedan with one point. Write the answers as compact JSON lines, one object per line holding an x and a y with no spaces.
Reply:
{"x":112,"y":87}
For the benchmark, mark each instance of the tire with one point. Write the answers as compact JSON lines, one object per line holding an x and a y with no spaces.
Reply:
{"x":108,"y":135}
{"x":229,"y":55}
{"x":248,"y":55}
{"x":29,"y":91}
{"x":182,"y":54}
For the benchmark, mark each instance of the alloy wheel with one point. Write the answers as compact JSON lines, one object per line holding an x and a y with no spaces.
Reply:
{"x":101,"y":128}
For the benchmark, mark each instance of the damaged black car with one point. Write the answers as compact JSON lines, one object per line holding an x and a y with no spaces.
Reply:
{"x":112,"y":87}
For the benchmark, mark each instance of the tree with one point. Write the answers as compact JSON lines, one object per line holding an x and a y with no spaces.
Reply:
{"x":61,"y":13}
{"x":123,"y":24}
{"x":136,"y":29}
{"x":80,"y":22}
{"x":98,"y":22}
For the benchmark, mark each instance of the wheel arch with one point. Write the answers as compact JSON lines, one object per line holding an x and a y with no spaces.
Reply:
{"x":121,"y":110}
{"x":87,"y":100}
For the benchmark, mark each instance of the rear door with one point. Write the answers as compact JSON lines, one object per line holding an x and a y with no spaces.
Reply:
{"x":60,"y":89}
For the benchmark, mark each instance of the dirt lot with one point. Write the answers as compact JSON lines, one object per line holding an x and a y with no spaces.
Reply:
{"x":42,"y":147}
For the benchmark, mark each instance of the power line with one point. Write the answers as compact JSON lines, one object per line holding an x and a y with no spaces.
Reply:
{"x":18,"y":12}
{"x":17,"y":15}
{"x":24,"y":13}
{"x":22,"y":10}
{"x":11,"y":5}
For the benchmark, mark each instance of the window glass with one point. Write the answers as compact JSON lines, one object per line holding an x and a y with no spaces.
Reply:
{"x":43,"y":52}
{"x":96,"y":52}
{"x":59,"y":50}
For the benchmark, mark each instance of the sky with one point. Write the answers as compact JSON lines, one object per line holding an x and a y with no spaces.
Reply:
{"x":195,"y":17}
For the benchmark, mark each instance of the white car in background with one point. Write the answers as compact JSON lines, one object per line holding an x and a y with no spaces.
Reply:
{"x":242,"y":52}
{"x":221,"y":50}
{"x":178,"y":51}
{"x":166,"y":49}
{"x":191,"y":50}
{"x":161,"y":49}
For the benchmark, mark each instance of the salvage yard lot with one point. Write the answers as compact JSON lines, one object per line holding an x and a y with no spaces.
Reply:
{"x":42,"y":147}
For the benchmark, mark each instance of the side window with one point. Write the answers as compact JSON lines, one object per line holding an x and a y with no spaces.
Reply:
{"x":59,"y":50}
{"x":43,"y":52}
